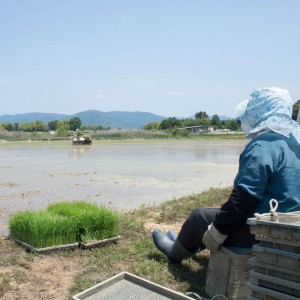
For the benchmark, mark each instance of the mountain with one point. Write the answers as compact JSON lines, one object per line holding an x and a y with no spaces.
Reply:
{"x":32,"y":117}
{"x":225,"y":118}
{"x":113,"y":119}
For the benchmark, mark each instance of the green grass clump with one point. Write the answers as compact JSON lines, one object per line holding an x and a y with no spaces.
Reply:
{"x":41,"y":229}
{"x":93,"y":222}
{"x":64,"y":223}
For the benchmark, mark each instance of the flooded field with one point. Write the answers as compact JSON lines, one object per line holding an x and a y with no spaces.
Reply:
{"x":119,"y":175}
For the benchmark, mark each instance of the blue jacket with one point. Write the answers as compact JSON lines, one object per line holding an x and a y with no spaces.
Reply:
{"x":269,"y":168}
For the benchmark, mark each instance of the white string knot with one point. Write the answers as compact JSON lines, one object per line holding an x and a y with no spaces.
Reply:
{"x":274,"y":216}
{"x":273,"y":207}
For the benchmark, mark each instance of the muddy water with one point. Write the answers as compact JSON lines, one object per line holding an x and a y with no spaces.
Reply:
{"x":120,"y":175}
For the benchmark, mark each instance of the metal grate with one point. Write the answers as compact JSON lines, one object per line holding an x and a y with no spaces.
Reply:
{"x":129,"y":287}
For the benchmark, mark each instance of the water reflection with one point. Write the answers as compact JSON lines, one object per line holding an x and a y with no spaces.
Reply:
{"x":121,"y":175}
{"x":78,"y":151}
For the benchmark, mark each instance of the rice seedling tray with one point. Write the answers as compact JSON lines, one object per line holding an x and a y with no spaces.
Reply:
{"x":262,"y":293}
{"x":275,"y":283}
{"x":275,"y":270}
{"x":276,"y":257}
{"x":285,"y":245}
{"x":287,"y":228}
{"x":98,"y":243}
{"x":130,"y":287}
{"x":45,"y":250}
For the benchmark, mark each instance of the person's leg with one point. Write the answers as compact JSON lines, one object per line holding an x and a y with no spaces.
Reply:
{"x":193,"y":229}
{"x":189,"y":240}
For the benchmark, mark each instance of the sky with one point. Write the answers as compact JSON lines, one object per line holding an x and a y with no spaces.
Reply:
{"x":167,"y":57}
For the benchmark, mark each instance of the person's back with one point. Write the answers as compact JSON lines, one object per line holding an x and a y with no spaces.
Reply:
{"x":272,"y":171}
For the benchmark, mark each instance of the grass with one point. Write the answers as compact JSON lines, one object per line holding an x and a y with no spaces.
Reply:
{"x":134,"y":252}
{"x":137,"y":254}
{"x":129,"y":134}
{"x":4,"y":284}
{"x":120,"y":135}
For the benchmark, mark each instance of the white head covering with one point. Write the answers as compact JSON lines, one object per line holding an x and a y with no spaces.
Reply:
{"x":268,"y":109}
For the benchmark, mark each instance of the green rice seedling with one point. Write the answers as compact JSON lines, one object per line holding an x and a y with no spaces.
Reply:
{"x":100,"y":224}
{"x":93,"y":222}
{"x":41,"y":229}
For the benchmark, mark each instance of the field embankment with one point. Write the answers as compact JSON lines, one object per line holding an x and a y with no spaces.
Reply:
{"x":63,"y":274}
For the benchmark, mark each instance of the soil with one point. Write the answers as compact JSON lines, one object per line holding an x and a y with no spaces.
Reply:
{"x":44,"y":276}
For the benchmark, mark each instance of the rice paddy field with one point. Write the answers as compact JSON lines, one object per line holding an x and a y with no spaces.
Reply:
{"x":120,"y":175}
{"x":148,"y":184}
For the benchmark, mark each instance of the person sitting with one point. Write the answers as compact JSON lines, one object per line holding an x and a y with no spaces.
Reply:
{"x":268,"y":169}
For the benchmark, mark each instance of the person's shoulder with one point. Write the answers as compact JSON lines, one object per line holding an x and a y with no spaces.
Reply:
{"x":267,"y":139}
{"x":269,"y":136}
{"x":273,"y":140}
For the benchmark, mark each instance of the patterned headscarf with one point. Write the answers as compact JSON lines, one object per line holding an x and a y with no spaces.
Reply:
{"x":268,"y":109}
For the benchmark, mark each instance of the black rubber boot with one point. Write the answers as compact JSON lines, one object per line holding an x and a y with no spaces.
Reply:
{"x":172,"y":235}
{"x":172,"y":249}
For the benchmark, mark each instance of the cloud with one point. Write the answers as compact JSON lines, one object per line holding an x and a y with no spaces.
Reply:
{"x":101,"y":97}
{"x":172,"y":93}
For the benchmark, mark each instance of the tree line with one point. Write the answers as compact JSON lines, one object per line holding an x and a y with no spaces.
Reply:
{"x":60,"y":126}
{"x":201,"y":118}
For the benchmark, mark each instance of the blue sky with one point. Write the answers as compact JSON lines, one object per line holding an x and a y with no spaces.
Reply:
{"x":168,"y":57}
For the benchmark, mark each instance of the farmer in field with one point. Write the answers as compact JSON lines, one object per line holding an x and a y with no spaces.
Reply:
{"x":269,"y":168}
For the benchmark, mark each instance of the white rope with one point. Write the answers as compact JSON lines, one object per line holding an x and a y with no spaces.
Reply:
{"x":214,"y":297}
{"x":195,"y":295}
{"x":274,"y":216}
{"x":273,"y":207}
{"x":201,"y":298}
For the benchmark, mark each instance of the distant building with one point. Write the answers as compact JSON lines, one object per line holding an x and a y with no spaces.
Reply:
{"x":223,"y":130}
{"x":197,"y":129}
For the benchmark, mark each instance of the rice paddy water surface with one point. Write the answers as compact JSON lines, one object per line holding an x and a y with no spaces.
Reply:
{"x":121,"y":175}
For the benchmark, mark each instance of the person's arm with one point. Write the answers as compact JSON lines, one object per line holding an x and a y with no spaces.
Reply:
{"x":240,"y":206}
{"x":257,"y":164}
{"x":236,"y":210}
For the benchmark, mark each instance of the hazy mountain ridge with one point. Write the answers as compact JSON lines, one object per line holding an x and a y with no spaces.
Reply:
{"x":113,"y":119}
